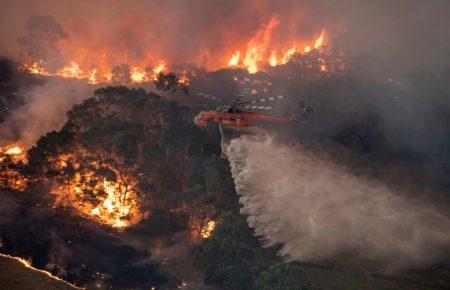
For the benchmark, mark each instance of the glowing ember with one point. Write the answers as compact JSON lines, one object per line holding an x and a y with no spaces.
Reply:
{"x":27,"y":264}
{"x":208,"y":229}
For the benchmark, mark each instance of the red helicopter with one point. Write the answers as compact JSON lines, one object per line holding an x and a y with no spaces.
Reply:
{"x":238,"y":114}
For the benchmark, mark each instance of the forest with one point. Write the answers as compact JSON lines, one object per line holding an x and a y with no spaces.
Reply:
{"x":129,"y":176}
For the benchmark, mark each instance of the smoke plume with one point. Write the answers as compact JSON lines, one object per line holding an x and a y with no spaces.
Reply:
{"x":402,"y":35}
{"x":40,"y":41}
{"x":44,"y":110}
{"x":318,"y":211}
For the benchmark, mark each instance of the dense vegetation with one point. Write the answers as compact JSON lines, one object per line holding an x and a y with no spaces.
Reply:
{"x":181,"y":182}
{"x":148,"y":147}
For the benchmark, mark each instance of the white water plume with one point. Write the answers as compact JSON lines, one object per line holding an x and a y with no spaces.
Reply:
{"x":318,"y":211}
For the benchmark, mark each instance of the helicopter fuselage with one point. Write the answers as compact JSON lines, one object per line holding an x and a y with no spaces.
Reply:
{"x":239,"y":118}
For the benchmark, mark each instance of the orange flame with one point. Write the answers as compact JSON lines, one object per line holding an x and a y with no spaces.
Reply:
{"x":115,"y":203}
{"x":97,"y":66}
{"x":257,"y":49}
{"x":258,"y":45}
{"x":137,"y":75}
{"x":234,"y":61}
{"x":273,"y":58}
{"x":15,"y":151}
{"x":207,"y":230}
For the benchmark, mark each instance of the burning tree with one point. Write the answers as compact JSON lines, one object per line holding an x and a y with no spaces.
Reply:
{"x":123,"y":155}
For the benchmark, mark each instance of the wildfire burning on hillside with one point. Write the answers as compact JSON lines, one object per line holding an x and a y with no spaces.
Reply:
{"x":100,"y":66}
{"x":94,"y":187}
{"x":11,"y":158}
{"x":98,"y":190}
{"x":260,"y":50}
{"x":13,"y":150}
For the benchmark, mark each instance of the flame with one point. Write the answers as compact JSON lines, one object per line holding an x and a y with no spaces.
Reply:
{"x":288,"y":54}
{"x":137,"y":75}
{"x":161,"y":67}
{"x":114,"y":203}
{"x":258,"y":45}
{"x":10,"y":176}
{"x":113,"y":206}
{"x":273,"y":58}
{"x":183,"y":79}
{"x":257,"y":49}
{"x":27,"y":264}
{"x":234,"y":61}
{"x":15,"y":151}
{"x":97,"y":66}
{"x":208,"y":229}
{"x":320,"y":41}
{"x":72,"y":70}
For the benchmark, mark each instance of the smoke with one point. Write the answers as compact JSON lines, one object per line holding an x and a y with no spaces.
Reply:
{"x":44,"y":110}
{"x":8,"y":207}
{"x":401,"y":35}
{"x":318,"y":211}
{"x":40,"y":41}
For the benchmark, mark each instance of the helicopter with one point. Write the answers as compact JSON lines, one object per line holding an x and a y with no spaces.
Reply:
{"x":238,"y":114}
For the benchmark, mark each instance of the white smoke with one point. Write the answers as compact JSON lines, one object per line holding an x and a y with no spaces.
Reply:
{"x":318,"y":211}
{"x":44,"y":110}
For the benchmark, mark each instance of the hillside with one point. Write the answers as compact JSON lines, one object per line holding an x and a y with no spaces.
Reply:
{"x":14,"y":274}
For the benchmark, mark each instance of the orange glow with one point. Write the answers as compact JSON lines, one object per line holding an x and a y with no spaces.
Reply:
{"x":257,"y":51}
{"x":234,"y":61}
{"x":10,"y":176}
{"x":207,"y":229}
{"x":288,"y":54}
{"x":137,"y":75}
{"x":111,"y":202}
{"x":319,"y":41}
{"x":93,"y":77}
{"x":72,"y":70}
{"x":96,"y":66}
{"x":159,"y":68}
{"x":257,"y":47}
{"x":15,"y":151}
{"x":273,"y":58}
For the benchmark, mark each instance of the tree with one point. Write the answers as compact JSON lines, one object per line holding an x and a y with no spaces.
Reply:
{"x":283,"y":276}
{"x":232,"y":257}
